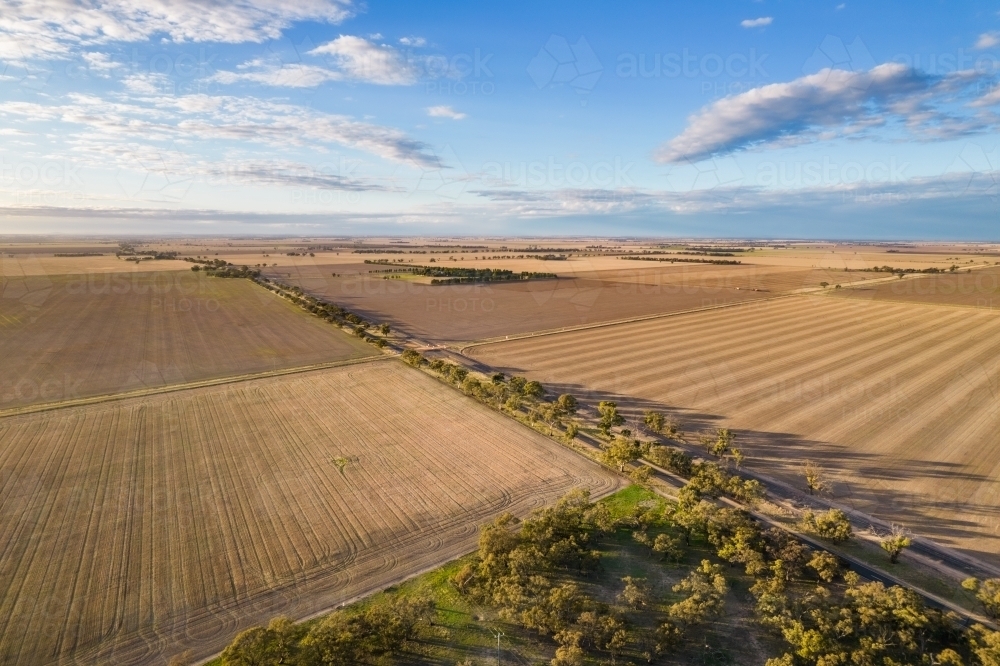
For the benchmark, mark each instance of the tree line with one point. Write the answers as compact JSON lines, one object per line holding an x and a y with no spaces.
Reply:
{"x":454,"y":275}
{"x":538,"y":573}
{"x":376,"y":334}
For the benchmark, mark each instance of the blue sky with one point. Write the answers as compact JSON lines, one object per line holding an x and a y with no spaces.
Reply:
{"x":830,"y":120}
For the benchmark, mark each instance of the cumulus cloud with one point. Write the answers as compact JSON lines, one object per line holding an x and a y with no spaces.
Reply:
{"x":827,"y":104}
{"x":413,"y":41}
{"x":361,"y":60}
{"x":444,"y":111}
{"x":988,"y":40}
{"x":54,"y":28}
{"x":757,"y":22}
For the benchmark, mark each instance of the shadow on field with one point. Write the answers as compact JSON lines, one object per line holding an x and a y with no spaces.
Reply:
{"x":867,"y":482}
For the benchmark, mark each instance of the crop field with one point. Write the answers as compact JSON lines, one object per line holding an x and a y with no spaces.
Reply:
{"x":978,"y":289}
{"x":899,"y":403}
{"x":457,"y":313}
{"x":454,"y":313}
{"x":32,"y":264}
{"x":73,"y":336}
{"x":131,"y":531}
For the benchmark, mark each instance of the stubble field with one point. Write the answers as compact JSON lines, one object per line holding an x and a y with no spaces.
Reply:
{"x":132,"y":531}
{"x":900,"y":403}
{"x":619,"y":289}
{"x":977,"y":289}
{"x":64,"y":337}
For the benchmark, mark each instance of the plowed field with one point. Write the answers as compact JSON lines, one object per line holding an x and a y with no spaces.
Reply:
{"x":900,"y":402}
{"x":131,"y":531}
{"x":75,"y":336}
{"x":465,"y":312}
{"x":978,"y":289}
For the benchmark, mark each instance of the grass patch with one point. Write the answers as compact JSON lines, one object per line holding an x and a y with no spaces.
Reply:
{"x":463,"y":632}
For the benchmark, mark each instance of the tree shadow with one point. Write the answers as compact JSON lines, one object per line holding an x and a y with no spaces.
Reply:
{"x":868,"y":482}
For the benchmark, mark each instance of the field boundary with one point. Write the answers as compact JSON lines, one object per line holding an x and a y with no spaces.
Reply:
{"x":615,"y":322}
{"x":173,"y":388}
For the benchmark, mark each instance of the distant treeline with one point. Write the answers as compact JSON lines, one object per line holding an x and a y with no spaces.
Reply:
{"x":901,"y":271}
{"x":448,"y":249}
{"x":131,"y":254}
{"x":672,"y":260}
{"x":455,"y":275}
{"x":702,"y":253}
{"x":708,"y":248}
{"x":222,"y":268}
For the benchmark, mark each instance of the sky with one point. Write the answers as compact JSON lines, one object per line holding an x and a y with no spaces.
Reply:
{"x":765,"y":118}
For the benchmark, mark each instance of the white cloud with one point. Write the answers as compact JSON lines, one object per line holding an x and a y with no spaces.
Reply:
{"x":291,"y":75}
{"x":757,"y":22}
{"x":108,"y":126}
{"x":988,"y":40}
{"x":54,"y":28}
{"x":824,"y":105}
{"x":348,"y":58}
{"x":362,"y":60}
{"x":945,"y":189}
{"x":146,"y":83}
{"x":284,"y":173}
{"x":99,"y":63}
{"x":990,"y":98}
{"x":444,"y":112}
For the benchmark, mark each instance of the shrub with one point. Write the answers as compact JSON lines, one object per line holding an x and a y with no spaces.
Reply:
{"x":832,"y":525}
{"x":413,"y":358}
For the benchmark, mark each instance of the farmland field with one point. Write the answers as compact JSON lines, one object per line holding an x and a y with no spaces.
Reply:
{"x":620,"y":290}
{"x":898,"y":402}
{"x":81,"y":259}
{"x":136,"y":529}
{"x":71,"y":336}
{"x":979,"y":289}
